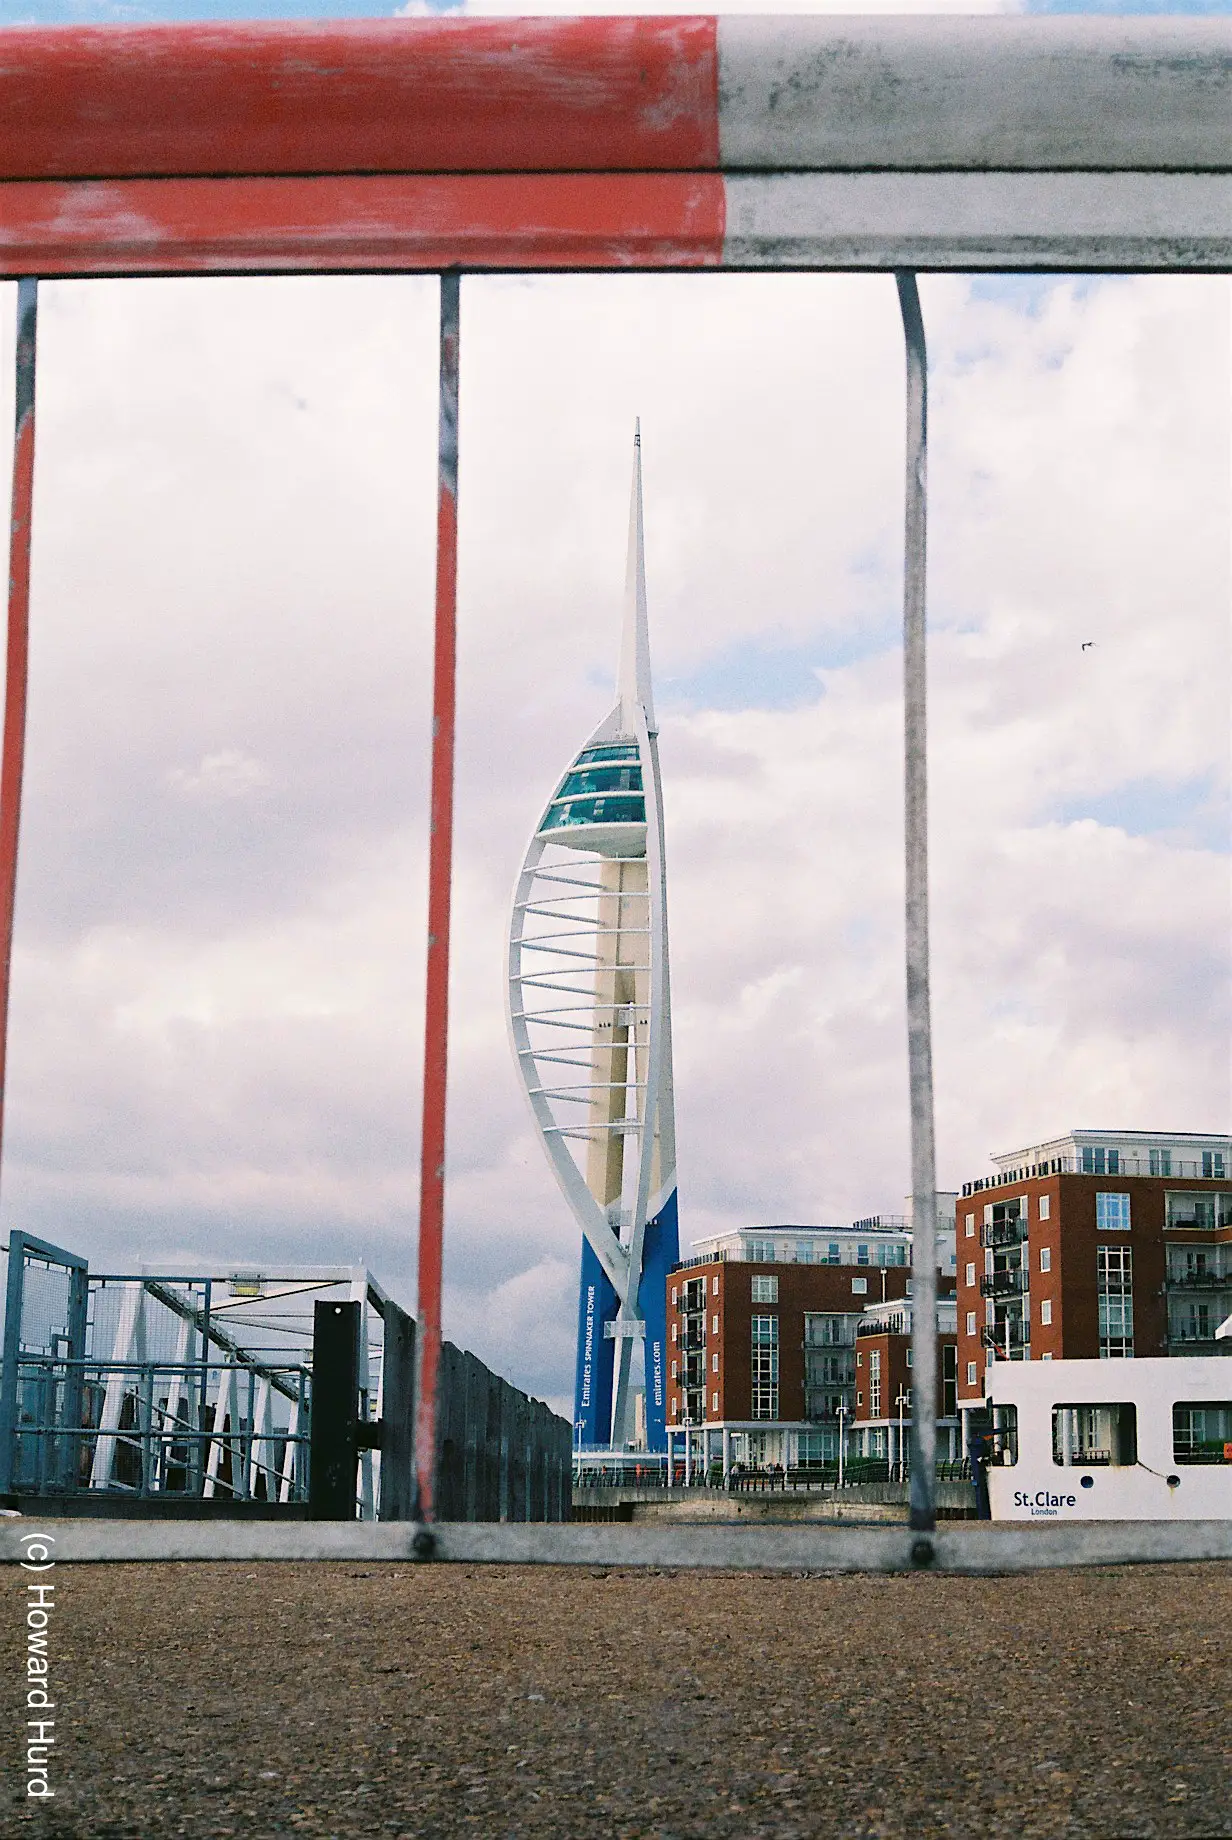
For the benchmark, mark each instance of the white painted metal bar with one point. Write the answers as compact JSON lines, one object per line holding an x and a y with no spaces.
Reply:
{"x":981,"y":94}
{"x":923,"y":1508}
{"x":960,"y":221}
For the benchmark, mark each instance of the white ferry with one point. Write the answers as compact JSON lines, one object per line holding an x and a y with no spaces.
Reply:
{"x":1111,"y":1440}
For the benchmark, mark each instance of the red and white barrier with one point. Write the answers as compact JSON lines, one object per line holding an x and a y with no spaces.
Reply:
{"x":614,"y":143}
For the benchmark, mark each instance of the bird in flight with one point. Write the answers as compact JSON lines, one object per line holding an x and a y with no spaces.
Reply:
{"x":1087,"y":644}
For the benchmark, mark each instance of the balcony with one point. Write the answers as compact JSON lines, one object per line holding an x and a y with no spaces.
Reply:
{"x":1198,"y":1281}
{"x":692,"y":1338}
{"x":1004,"y":1233}
{"x":1007,"y":1342}
{"x":1013,"y":1283}
{"x":1196,"y":1341}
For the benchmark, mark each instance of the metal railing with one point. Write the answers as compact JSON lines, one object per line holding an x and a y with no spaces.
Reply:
{"x":1006,"y":1284}
{"x":1003,"y":1233}
{"x":1179,"y":1169}
{"x":195,"y":1429}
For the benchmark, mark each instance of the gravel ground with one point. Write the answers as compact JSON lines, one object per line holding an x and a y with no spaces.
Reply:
{"x":212,"y":1700}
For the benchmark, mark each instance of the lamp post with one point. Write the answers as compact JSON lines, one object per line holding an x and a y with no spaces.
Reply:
{"x":841,"y":1412}
{"x":902,"y":1400}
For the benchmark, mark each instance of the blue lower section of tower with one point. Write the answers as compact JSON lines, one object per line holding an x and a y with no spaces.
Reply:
{"x":592,"y":1387}
{"x":661,"y":1251}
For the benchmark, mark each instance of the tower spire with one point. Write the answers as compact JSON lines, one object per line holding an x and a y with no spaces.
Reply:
{"x":633,"y":684}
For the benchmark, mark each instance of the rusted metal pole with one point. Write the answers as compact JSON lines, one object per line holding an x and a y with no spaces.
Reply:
{"x":923,"y":1508}
{"x":440,"y":872}
{"x":13,"y":752}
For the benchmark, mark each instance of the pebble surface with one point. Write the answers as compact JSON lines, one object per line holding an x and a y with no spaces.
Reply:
{"x":433,"y":1701}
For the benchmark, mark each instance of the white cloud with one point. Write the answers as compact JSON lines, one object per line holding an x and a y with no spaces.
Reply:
{"x":228,"y":774}
{"x":218,"y":978}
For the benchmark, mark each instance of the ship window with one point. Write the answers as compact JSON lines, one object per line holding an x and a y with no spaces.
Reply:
{"x":1095,"y":1436}
{"x":1005,"y":1436}
{"x":1202,"y":1431}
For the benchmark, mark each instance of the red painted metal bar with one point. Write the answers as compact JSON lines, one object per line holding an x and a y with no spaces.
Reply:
{"x":13,"y":753}
{"x":440,"y":873}
{"x":365,"y":96}
{"x":377,"y":221}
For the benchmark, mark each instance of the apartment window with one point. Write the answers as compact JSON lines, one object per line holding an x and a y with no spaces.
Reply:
{"x":714,"y":1285}
{"x":859,"y":1287}
{"x":1114,"y":1274}
{"x":765,"y":1290}
{"x":1161,"y":1162}
{"x":804,"y":1252}
{"x":675,"y":1369}
{"x":1046,"y":1310}
{"x":860,"y":1358}
{"x":969,"y":1275}
{"x":1045,"y":1258}
{"x":909,"y":1356}
{"x":1112,"y":1213}
{"x":833,"y":1255}
{"x":970,"y":1322}
{"x":761,"y":1251}
{"x":674,"y":1328}
{"x":874,"y":1383}
{"x":969,"y":1227}
{"x":862,"y":1254}
{"x":1045,"y":1357}
{"x":971,"y":1380}
{"x":673,"y":1293}
{"x":714,"y":1402}
{"x":1091,"y":1436}
{"x":714,"y":1363}
{"x":988,"y":1214}
{"x":1096,"y":1162}
{"x":859,"y":1399}
{"x":1202,"y":1431}
{"x":714,"y":1325}
{"x":1212,"y":1165}
{"x":1045,"y":1207}
{"x":765,"y":1367}
{"x":949,"y":1381}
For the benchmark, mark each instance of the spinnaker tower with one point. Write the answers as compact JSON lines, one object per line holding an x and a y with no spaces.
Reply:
{"x":590,"y":1025}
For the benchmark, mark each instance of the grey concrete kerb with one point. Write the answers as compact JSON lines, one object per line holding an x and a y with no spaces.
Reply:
{"x":971,"y":1548}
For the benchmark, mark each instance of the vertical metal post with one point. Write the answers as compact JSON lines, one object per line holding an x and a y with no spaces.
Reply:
{"x":440,"y":873}
{"x":12,"y":753}
{"x":201,"y":1447}
{"x":923,"y":1508}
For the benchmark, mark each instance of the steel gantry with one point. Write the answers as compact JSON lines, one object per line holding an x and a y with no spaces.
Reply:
{"x":600,"y":144}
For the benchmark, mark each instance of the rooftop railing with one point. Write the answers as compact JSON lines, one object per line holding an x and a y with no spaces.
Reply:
{"x":1172,"y":1169}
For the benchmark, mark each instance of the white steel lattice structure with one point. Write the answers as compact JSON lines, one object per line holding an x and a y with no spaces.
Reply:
{"x":590,"y":1025}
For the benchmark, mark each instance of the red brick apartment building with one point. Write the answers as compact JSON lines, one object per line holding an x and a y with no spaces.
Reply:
{"x":763,"y":1352}
{"x":883,"y":1386}
{"x":1097,"y":1245}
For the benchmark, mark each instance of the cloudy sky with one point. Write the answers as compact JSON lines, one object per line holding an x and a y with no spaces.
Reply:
{"x":218,"y":973}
